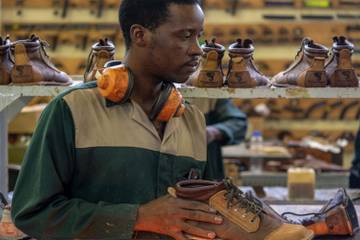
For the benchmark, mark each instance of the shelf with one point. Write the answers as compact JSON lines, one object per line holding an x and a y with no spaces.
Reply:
{"x":268,"y":153}
{"x":264,"y":92}
{"x":11,"y":91}
{"x":323,"y":180}
{"x":312,"y":125}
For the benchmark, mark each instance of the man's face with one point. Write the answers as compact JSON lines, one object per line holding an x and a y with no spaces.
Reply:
{"x":174,"y":52}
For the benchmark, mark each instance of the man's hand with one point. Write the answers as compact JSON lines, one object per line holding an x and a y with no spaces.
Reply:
{"x":212,"y":134}
{"x":168,"y":216}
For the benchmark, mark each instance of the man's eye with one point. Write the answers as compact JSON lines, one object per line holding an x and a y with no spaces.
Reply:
{"x":187,"y":35}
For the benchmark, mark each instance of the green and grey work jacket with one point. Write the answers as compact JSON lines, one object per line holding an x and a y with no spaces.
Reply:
{"x":91,"y":163}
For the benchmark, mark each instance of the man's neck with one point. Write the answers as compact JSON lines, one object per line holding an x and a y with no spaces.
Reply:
{"x":146,"y":87}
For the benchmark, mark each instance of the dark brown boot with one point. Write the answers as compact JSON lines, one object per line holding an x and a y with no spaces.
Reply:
{"x":6,"y":63}
{"x":339,"y":69}
{"x":337,"y":217}
{"x":211,"y":74}
{"x":245,"y":216}
{"x":242,"y":70}
{"x":33,"y":66}
{"x":307,"y":69}
{"x":101,"y":52}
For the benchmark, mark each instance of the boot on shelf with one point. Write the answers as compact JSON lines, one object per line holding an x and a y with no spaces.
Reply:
{"x":308,"y":68}
{"x":33,"y":66}
{"x":101,"y":52}
{"x":6,"y":63}
{"x":242,"y":70}
{"x":211,"y":73}
{"x":339,"y":69}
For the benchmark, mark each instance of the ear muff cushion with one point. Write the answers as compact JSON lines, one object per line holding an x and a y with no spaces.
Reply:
{"x":161,"y":100}
{"x":116,"y":83}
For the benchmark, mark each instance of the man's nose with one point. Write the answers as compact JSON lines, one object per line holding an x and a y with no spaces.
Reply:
{"x":195,"y":49}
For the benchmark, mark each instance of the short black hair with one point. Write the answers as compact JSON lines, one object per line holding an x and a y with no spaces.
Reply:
{"x":147,"y":13}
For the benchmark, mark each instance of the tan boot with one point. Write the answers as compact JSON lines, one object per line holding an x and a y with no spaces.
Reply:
{"x":6,"y":63}
{"x":101,"y":52}
{"x":339,"y":69}
{"x":337,"y":217}
{"x":32,"y":65}
{"x":211,"y":74}
{"x":242,"y":70}
{"x":308,"y":68}
{"x":245,"y":216}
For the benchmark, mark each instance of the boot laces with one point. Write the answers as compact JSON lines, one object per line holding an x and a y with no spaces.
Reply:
{"x":43,"y":54}
{"x":3,"y":201}
{"x":90,"y":59}
{"x":307,"y":220}
{"x":236,"y":197}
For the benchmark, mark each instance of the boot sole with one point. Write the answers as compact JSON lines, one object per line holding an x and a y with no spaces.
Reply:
{"x":313,"y":79}
{"x":23,"y":75}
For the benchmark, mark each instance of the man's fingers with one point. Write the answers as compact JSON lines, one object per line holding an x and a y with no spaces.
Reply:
{"x":194,"y":205}
{"x":192,"y":237}
{"x":195,"y":231}
{"x":179,"y":236}
{"x":200,"y":216}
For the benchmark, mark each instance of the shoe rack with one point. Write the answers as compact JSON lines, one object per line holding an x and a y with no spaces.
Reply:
{"x":276,"y":26}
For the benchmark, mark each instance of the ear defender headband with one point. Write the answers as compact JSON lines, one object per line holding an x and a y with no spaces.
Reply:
{"x":116,"y":83}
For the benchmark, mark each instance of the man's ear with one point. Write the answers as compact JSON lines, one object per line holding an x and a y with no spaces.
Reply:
{"x":139,"y":35}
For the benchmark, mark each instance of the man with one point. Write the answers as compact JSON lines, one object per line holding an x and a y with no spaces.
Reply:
{"x":226,"y":125}
{"x":354,"y":181}
{"x":100,"y":170}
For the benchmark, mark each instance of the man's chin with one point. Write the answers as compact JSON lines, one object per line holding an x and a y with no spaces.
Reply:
{"x":180,"y":79}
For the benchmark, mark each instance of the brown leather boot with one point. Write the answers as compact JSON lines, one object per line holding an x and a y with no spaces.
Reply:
{"x":245,"y":216}
{"x":339,"y":69}
{"x":101,"y":52}
{"x":337,"y":217}
{"x":33,"y":66}
{"x":308,"y":68}
{"x":6,"y":63}
{"x":242,"y":70}
{"x":211,"y":74}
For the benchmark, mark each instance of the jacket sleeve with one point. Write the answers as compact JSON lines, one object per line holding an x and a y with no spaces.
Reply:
{"x":42,"y":207}
{"x":230,"y":121}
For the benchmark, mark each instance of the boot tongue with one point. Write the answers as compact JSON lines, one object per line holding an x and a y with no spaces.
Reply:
{"x":7,"y":40}
{"x":244,"y":48}
{"x":103,"y":44}
{"x":313,"y":49}
{"x":208,"y":46}
{"x":4,"y":43}
{"x":33,"y":38}
{"x":342,"y":43}
{"x":248,"y":43}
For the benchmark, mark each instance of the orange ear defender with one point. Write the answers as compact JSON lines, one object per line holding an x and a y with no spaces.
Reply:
{"x":116,"y":83}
